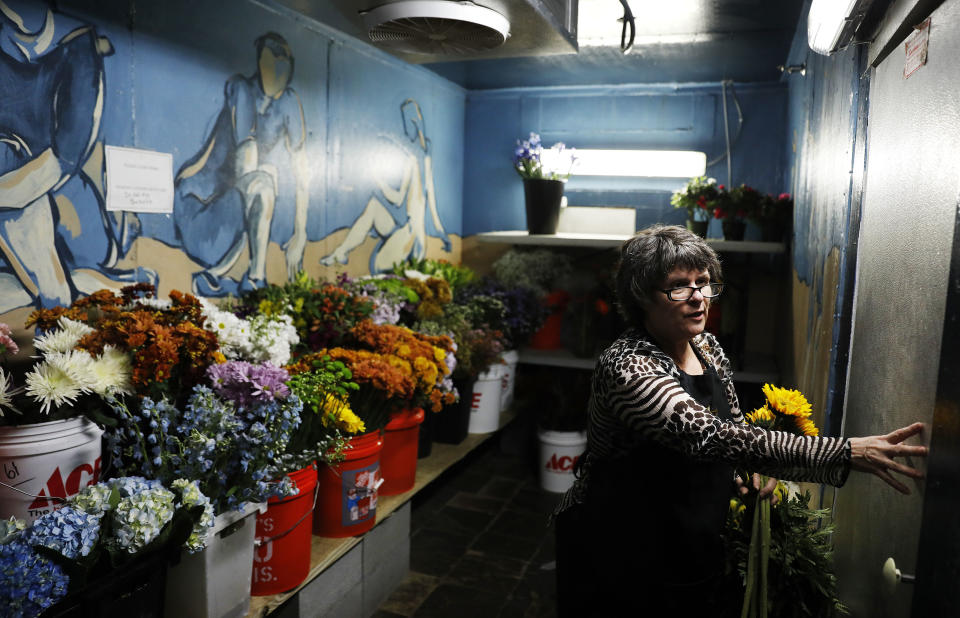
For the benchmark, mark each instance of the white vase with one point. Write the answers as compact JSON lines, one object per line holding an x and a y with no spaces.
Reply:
{"x":559,"y":451}
{"x":215,"y":583}
{"x":44,"y":460}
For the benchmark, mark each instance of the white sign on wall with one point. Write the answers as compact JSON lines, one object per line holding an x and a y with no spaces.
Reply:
{"x":916,"y":48}
{"x":139,"y":180}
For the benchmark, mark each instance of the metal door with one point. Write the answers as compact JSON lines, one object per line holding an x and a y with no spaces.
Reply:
{"x":901,"y":298}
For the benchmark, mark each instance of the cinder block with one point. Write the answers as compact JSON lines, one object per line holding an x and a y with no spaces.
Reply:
{"x":386,"y":558}
{"x":380,"y":581}
{"x":380,"y":543}
{"x":339,"y":588}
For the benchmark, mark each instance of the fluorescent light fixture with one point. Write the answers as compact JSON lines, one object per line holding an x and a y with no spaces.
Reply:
{"x":636,"y":163}
{"x":831,"y":24}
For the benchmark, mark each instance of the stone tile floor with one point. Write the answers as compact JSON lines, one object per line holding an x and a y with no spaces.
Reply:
{"x":480,"y":545}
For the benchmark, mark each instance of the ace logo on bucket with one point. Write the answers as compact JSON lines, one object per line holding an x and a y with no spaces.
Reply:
{"x":562,"y":464}
{"x":57,"y":485}
{"x":359,"y":499}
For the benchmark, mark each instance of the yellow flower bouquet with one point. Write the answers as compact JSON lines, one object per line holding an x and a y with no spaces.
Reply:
{"x":788,"y":411}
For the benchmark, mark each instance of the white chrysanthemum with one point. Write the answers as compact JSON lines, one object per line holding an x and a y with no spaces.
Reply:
{"x":69,"y":333}
{"x":233,"y":333}
{"x":272,"y":338}
{"x":155,"y":303}
{"x":53,"y":382}
{"x":112,"y":372}
{"x":7,"y":392}
{"x":415,"y":274}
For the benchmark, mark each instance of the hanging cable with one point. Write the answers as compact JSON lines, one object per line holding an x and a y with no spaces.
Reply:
{"x":627,"y":20}
{"x":736,"y":136}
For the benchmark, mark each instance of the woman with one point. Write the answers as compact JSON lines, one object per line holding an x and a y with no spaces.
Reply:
{"x":639,"y":532}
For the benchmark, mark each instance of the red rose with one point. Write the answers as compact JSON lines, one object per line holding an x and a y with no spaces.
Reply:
{"x":602,"y":307}
{"x":702,"y":202}
{"x":719,"y":213}
{"x":720,"y":187}
{"x":783,"y":197}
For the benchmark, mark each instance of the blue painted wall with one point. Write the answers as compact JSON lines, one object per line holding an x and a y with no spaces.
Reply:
{"x":825,"y":174}
{"x":183,"y":77}
{"x":639,"y":116}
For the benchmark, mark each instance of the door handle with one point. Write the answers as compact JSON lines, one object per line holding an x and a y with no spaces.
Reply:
{"x":893,"y":576}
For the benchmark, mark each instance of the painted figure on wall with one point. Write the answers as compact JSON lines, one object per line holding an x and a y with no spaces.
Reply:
{"x":51,"y":162}
{"x":408,"y":237}
{"x":226,"y":194}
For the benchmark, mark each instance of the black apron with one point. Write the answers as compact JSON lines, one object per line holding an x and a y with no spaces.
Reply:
{"x":648,"y":534}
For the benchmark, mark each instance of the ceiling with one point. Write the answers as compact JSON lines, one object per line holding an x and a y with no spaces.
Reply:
{"x":677,"y":41}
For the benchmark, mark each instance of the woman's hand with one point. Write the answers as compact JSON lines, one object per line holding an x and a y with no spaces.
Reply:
{"x":766,"y":491}
{"x":874,"y":454}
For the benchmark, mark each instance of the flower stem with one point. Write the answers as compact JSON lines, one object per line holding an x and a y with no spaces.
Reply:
{"x":764,"y":552}
{"x":748,"y":595}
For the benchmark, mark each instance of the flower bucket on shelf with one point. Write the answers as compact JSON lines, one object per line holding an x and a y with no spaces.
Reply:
{"x":281,"y":556}
{"x":450,"y":424}
{"x":399,"y":456}
{"x":542,"y":199}
{"x":559,"y":451}
{"x":425,"y":435}
{"x":485,"y":402}
{"x":509,"y":377}
{"x":733,"y":229}
{"x":216,"y":581}
{"x":698,"y":227}
{"x":45,"y":461}
{"x":549,"y":335}
{"x":347,"y":494}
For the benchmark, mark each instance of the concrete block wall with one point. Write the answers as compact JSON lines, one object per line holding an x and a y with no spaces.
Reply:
{"x":356,"y":584}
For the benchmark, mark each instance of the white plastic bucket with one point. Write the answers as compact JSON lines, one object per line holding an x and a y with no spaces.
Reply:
{"x":46,"y":460}
{"x":508,"y":379}
{"x":215,"y":583}
{"x":485,"y":403}
{"x":559,"y":451}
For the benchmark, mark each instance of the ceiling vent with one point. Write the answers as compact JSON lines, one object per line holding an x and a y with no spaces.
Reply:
{"x":436,"y":27}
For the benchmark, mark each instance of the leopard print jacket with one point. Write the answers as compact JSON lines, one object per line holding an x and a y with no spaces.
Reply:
{"x":636,"y":397}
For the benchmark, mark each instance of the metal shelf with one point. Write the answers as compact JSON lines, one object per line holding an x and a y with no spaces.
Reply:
{"x":612,"y":241}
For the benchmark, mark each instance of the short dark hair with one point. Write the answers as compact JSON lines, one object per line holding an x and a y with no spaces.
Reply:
{"x":647,"y":259}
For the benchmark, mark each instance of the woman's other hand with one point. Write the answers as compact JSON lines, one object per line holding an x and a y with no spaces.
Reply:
{"x":875,"y":454}
{"x":765,"y":492}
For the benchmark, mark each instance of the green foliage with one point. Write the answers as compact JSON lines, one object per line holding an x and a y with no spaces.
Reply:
{"x":802,"y":583}
{"x":456,"y":276}
{"x":539,"y":270}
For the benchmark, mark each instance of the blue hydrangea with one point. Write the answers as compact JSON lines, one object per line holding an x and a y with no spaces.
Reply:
{"x":68,"y":530}
{"x":29,"y":583}
{"x":191,"y":496}
{"x":140,"y":517}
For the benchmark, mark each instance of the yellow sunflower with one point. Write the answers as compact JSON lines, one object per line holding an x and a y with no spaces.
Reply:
{"x":762,"y":417}
{"x":786,"y":401}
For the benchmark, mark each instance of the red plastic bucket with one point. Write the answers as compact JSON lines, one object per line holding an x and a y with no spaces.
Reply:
{"x":347,"y":498}
{"x":281,"y":558}
{"x":549,"y":335}
{"x":399,"y":456}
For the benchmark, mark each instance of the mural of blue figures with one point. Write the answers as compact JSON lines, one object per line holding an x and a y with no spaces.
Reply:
{"x":56,"y":238}
{"x":293,"y":147}
{"x":226,"y":193}
{"x":403,"y":235}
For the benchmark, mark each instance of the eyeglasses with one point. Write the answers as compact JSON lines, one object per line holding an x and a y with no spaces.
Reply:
{"x":707,"y":290}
